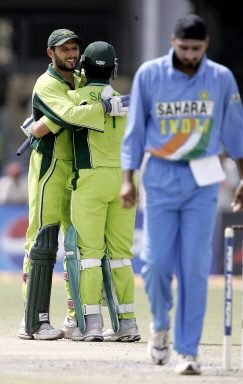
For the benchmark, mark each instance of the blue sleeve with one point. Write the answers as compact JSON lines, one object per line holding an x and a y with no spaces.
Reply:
{"x":232,"y":125}
{"x":134,"y":139}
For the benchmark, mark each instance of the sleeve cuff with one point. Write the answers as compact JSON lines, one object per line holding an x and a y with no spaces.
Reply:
{"x":54,"y":128}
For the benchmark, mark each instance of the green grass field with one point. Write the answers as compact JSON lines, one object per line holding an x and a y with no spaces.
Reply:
{"x":11,"y":300}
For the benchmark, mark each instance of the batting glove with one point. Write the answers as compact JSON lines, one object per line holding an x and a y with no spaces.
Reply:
{"x":27,"y":124}
{"x":117,"y":105}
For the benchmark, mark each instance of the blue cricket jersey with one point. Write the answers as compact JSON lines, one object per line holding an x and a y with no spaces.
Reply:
{"x":179,"y":118}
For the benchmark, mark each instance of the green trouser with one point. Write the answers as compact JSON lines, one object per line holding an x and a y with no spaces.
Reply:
{"x":101,"y":223}
{"x":49,"y":200}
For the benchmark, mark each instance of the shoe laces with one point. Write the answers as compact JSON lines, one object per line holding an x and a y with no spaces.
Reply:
{"x":160,"y":338}
{"x":45,"y":326}
{"x":71,"y":320}
{"x":186,"y":357}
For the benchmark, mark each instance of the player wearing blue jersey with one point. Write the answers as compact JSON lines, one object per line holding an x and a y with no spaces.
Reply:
{"x":182,"y":106}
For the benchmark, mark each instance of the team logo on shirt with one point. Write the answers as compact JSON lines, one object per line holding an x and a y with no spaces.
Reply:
{"x":204,"y":95}
{"x":235,"y":97}
{"x":185,"y":108}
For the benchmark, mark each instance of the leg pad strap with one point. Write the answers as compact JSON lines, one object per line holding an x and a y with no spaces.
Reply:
{"x":88,"y":309}
{"x":92,"y":309}
{"x":125,"y":308}
{"x":89,"y":263}
{"x":119,"y":263}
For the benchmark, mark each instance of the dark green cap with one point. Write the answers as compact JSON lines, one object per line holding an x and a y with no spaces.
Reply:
{"x":60,"y":36}
{"x":100,"y":54}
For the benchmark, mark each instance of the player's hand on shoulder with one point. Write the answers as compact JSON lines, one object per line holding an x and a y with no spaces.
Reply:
{"x":117,"y":105}
{"x":114,"y":105}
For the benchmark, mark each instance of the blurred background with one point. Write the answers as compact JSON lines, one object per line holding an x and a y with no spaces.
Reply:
{"x":139,"y":30}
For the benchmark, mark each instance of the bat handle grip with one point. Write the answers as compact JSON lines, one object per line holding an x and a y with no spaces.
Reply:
{"x":24,"y":146}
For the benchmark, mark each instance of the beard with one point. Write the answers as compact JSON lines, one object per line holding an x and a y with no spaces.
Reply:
{"x":190,"y":65}
{"x":185,"y":63}
{"x":61,"y":65}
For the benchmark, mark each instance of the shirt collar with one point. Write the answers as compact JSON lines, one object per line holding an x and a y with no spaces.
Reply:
{"x":98,"y":82}
{"x":54,"y":73}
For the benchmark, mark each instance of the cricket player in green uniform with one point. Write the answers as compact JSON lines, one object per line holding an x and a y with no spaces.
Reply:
{"x":50,"y":167}
{"x":100,"y":222}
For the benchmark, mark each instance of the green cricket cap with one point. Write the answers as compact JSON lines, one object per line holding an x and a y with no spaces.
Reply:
{"x":60,"y":36}
{"x":100,"y":54}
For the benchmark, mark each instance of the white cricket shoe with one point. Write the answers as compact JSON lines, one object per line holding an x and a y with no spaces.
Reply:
{"x":69,"y":326}
{"x":93,"y":331}
{"x":22,"y":333}
{"x":128,"y":332}
{"x":45,"y":332}
{"x":188,"y":365}
{"x":158,"y":346}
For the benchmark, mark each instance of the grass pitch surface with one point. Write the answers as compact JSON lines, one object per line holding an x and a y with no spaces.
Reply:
{"x":52,"y":362}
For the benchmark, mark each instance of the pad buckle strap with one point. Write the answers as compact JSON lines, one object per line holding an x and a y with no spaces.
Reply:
{"x":125,"y":308}
{"x":120,"y":263}
{"x":92,"y":309}
{"x":88,"y":263}
{"x":25,"y":276}
{"x":70,"y":304}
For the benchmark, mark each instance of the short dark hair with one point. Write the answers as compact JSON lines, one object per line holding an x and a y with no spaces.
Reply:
{"x":191,"y":27}
{"x":94,"y":72}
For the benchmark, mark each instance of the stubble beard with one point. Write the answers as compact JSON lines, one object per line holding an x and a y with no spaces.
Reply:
{"x":60,"y":65}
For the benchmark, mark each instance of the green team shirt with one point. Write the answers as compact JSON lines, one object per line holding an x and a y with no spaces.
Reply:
{"x":52,"y":105}
{"x":93,"y":149}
